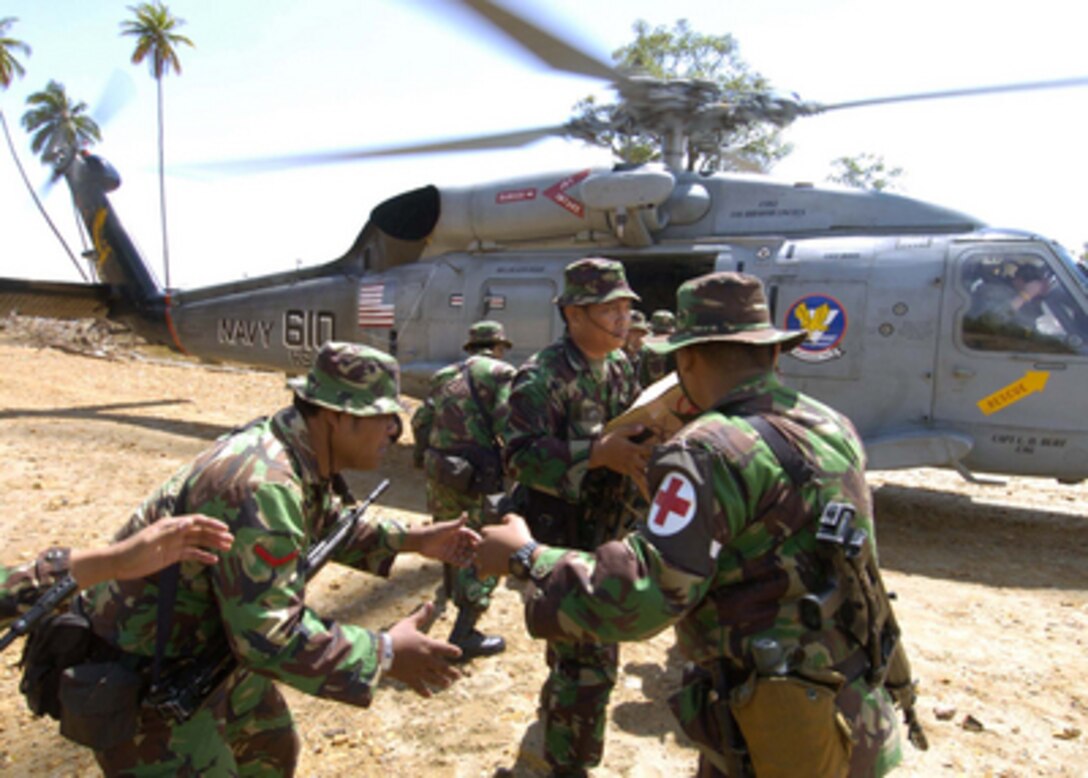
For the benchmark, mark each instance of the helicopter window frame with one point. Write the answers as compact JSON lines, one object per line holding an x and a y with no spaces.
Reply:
{"x":1078,"y":268}
{"x":1018,"y":304}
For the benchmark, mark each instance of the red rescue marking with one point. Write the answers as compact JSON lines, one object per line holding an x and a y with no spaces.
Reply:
{"x":557,"y":193}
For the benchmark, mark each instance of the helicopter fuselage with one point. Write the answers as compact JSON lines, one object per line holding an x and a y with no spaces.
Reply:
{"x":887,"y":288}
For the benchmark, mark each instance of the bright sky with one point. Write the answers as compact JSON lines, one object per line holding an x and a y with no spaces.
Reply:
{"x":278,"y":76}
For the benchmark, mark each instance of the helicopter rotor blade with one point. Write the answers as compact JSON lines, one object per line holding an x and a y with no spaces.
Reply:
{"x":552,"y":50}
{"x":502,"y":140}
{"x":1029,"y":86}
{"x":118,"y":91}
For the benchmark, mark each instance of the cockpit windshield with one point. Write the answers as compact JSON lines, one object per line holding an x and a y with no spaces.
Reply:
{"x":1019,"y":303}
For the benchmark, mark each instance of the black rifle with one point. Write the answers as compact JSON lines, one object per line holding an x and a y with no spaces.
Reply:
{"x":181,"y":693}
{"x":46,"y":604}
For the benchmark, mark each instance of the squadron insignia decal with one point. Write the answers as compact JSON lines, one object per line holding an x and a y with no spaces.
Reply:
{"x":823,"y":318}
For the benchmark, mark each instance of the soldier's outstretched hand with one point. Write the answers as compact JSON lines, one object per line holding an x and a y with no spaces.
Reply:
{"x":419,"y":660}
{"x":156,"y":546}
{"x":452,"y":542}
{"x":500,"y":541}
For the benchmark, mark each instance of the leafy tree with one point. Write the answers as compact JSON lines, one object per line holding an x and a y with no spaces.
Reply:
{"x":681,"y":53}
{"x":154,"y":28}
{"x":10,"y":67}
{"x":57,"y":125}
{"x":865,"y":171}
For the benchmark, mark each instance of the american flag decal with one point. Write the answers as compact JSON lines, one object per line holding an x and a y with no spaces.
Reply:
{"x":495,"y":302}
{"x":457,"y":300}
{"x":373,"y":313}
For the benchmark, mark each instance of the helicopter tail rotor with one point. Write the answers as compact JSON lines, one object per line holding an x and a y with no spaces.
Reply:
{"x":115,"y":95}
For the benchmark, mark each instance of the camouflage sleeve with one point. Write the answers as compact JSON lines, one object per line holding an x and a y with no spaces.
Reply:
{"x":623,"y":591}
{"x":261,"y":593}
{"x":537,"y":453}
{"x":21,"y":586}
{"x":374,"y":547}
{"x":422,"y":422}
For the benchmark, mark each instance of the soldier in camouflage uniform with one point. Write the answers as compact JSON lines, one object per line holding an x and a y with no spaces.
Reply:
{"x":147,"y":552}
{"x":728,"y":551}
{"x":653,"y":365}
{"x":458,"y":443}
{"x":636,"y":334}
{"x":573,"y":480}
{"x":271,"y":482}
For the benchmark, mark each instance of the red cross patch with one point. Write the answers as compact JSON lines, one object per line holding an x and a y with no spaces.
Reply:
{"x":674,"y":505}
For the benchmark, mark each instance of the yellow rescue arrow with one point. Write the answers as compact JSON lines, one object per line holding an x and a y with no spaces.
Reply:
{"x":1033,"y":381}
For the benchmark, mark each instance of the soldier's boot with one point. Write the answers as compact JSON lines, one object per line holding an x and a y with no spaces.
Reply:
{"x":470,"y":640}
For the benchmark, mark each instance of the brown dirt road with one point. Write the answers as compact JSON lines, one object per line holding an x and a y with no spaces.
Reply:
{"x":992,"y":584}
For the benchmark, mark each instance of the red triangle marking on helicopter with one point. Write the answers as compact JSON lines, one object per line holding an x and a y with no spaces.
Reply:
{"x":557,"y":193}
{"x":373,"y":313}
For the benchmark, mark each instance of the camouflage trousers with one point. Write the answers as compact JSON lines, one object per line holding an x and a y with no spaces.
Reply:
{"x":574,"y":702}
{"x":245,"y":729}
{"x":444,"y":504}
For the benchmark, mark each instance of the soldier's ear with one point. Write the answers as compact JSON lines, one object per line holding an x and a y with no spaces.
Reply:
{"x":685,"y":359}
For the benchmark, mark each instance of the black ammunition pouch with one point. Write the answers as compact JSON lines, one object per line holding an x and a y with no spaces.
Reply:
{"x":72,"y":675}
{"x":552,"y":520}
{"x":58,"y":642}
{"x":448,"y":470}
{"x":470,"y":470}
{"x":487,"y":473}
{"x":100,"y":704}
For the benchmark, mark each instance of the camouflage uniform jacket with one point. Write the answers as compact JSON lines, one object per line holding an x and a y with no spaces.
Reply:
{"x":21,"y":586}
{"x":450,"y":418}
{"x":262,"y":480}
{"x":652,"y":367}
{"x":559,"y":405}
{"x":736,"y":569}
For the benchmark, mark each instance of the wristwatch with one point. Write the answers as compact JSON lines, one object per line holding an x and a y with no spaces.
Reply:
{"x":521,"y":561}
{"x":385,"y":651}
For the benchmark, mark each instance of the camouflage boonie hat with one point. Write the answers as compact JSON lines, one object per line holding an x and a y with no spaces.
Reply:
{"x":638,"y":322}
{"x":352,"y":378}
{"x":483,"y":334}
{"x":594,"y":280}
{"x":723,"y":307}
{"x":663,"y":322}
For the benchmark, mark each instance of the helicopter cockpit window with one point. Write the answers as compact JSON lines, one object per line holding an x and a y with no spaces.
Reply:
{"x":1018,"y":304}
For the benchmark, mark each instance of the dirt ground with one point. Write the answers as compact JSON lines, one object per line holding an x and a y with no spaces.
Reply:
{"x":992,"y":584}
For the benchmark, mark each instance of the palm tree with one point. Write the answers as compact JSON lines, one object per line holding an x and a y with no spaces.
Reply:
{"x":9,"y":68}
{"x":156,"y":41}
{"x":58,"y":126}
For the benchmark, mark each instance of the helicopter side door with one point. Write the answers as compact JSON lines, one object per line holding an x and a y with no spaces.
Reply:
{"x":1013,"y":359}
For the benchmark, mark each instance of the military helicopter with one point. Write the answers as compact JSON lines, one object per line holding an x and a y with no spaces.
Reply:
{"x":895,"y":293}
